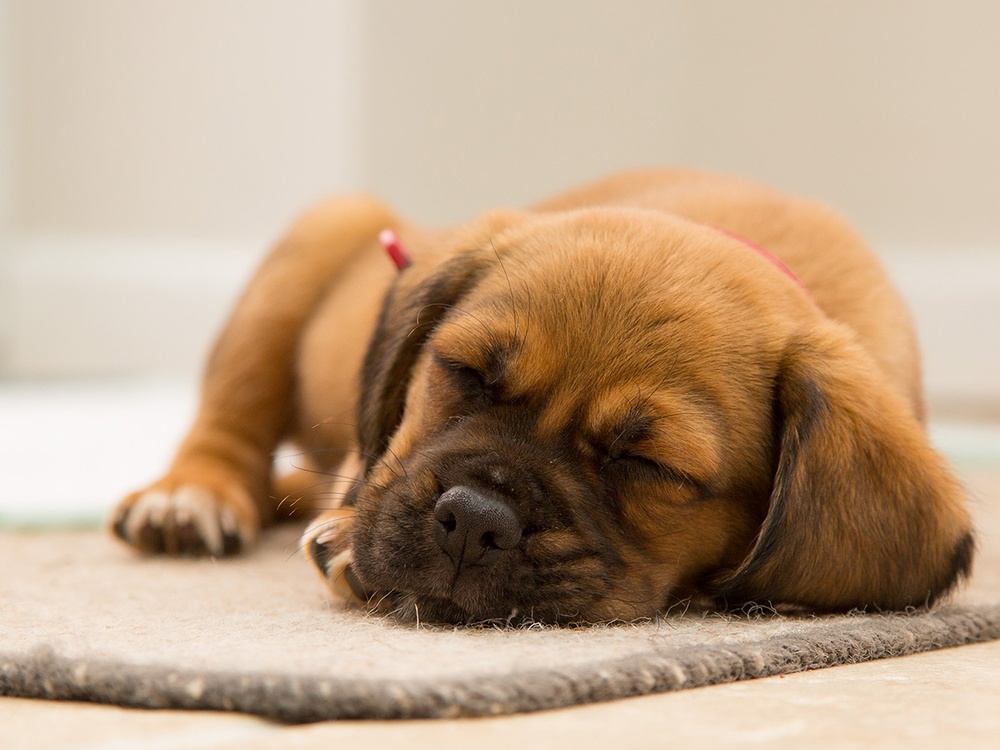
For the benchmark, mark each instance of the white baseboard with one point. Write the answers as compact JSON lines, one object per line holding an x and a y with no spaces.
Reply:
{"x":110,"y":307}
{"x":99,"y":307}
{"x":954,"y":295}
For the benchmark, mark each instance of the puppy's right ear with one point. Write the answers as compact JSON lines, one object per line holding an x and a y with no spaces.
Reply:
{"x":863,"y":511}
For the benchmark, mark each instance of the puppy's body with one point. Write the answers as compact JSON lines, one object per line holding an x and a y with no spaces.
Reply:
{"x":582,"y":411}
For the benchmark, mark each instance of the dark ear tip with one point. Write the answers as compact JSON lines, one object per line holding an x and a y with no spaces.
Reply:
{"x":960,"y":568}
{"x":730,"y":589}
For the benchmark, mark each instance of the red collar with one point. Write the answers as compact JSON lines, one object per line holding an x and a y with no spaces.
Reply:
{"x":775,"y":260}
{"x":397,"y":253}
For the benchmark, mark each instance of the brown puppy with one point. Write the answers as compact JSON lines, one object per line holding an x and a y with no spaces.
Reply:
{"x":585,"y":411}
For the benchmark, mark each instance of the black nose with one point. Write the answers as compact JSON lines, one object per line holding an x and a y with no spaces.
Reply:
{"x":473,"y":527}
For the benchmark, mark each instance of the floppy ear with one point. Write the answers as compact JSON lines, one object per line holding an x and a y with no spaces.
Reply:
{"x":410,"y":312}
{"x":863,"y":512}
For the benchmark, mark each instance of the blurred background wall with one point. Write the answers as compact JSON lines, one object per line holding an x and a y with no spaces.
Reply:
{"x":150,"y":149}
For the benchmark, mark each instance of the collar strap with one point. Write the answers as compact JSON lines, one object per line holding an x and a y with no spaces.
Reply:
{"x":397,"y":253}
{"x":774,"y":259}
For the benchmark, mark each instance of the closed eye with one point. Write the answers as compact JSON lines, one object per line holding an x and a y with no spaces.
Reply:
{"x":469,"y":381}
{"x":640,"y":467}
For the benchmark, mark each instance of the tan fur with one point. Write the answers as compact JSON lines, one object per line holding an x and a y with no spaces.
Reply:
{"x":785,"y":426}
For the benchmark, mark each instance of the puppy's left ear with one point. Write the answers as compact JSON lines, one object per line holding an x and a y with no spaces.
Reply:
{"x":421,"y":297}
{"x":863,"y":512}
{"x":410,"y":312}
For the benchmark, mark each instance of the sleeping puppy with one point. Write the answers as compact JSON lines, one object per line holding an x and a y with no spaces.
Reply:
{"x":662,"y":385}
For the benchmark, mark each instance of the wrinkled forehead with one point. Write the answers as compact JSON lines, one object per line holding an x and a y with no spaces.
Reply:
{"x":571,"y":319}
{"x":584,"y":303}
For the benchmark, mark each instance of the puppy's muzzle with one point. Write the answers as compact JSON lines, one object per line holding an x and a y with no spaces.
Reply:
{"x":473,"y":527}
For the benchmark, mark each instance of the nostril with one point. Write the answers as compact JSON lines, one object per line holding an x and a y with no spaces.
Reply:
{"x":471,"y":524}
{"x":448,"y":522}
{"x":503,"y":530}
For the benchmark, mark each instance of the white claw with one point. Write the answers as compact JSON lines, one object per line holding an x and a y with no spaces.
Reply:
{"x":183,"y":506}
{"x":200,"y":504}
{"x":229,"y":523}
{"x":149,"y":510}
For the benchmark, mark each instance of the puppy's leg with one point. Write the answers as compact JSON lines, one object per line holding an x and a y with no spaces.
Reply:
{"x":215,"y":497}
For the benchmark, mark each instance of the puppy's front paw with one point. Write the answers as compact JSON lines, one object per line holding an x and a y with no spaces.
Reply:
{"x":186,"y":518}
{"x":327,"y":544}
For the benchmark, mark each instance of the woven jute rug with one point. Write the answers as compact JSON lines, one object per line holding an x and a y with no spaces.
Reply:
{"x":82,"y":618}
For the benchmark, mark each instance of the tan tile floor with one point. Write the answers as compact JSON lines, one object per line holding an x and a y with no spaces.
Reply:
{"x":937,"y":700}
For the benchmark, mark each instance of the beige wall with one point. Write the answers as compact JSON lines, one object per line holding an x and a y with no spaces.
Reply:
{"x":6,"y":181}
{"x":469,"y":105}
{"x":889,"y":109}
{"x":188,"y":117}
{"x":6,"y":144}
{"x":182,"y":117}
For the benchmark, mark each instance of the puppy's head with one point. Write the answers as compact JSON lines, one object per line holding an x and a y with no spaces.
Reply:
{"x":590,"y":416}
